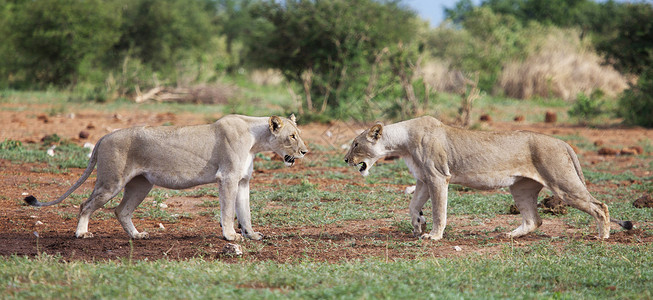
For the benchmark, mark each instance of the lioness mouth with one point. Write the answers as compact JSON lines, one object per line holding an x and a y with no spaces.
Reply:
{"x":289,"y":159}
{"x":363,"y":167}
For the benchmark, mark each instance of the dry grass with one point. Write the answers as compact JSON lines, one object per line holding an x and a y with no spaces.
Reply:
{"x":440,"y":77}
{"x":271,"y":77}
{"x":562,"y":67}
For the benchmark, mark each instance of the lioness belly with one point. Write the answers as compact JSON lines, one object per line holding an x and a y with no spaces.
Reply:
{"x":484,"y":181}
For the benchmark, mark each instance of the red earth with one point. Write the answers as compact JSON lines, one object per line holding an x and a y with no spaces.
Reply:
{"x":25,"y":230}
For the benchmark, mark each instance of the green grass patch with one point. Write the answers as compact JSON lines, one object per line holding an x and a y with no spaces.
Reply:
{"x":579,"y":271}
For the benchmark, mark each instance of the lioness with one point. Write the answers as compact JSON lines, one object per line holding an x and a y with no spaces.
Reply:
{"x":138,"y":158}
{"x":437,"y":155}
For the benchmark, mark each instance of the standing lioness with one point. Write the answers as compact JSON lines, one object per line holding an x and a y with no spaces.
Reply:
{"x":437,"y":155}
{"x":138,"y":158}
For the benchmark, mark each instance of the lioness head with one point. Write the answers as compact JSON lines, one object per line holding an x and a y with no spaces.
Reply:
{"x":365,"y":149}
{"x":285,"y":140}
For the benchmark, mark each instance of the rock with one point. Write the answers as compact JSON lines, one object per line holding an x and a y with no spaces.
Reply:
{"x":553,"y":205}
{"x":632,"y":150}
{"x":232,"y":249}
{"x":486,"y":118}
{"x":43,"y":118}
{"x":645,"y":201}
{"x":550,"y":117}
{"x":50,"y":150}
{"x":83,"y":134}
{"x":410,"y":189}
{"x":608,"y":151}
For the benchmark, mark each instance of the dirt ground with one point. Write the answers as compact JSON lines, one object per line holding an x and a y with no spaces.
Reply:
{"x":26,"y":230}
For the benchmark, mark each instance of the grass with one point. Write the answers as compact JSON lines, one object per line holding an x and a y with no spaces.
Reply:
{"x":579,"y":271}
{"x":542,"y":269}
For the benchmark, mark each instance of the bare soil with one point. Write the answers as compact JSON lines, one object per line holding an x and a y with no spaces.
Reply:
{"x":27,"y":231}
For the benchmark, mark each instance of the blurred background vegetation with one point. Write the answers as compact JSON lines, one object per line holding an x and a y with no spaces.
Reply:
{"x":344,"y":59}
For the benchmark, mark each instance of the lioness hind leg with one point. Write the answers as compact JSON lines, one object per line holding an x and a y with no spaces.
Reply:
{"x":99,"y":197}
{"x":525,"y":192}
{"x":595,"y":208}
{"x":135,"y":192}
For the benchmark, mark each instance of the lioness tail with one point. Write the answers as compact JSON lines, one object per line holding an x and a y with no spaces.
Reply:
{"x":31,"y":200}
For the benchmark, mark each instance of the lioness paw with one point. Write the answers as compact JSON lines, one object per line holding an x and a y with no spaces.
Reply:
{"x":431,"y":237}
{"x":84,"y":235}
{"x":233,"y":237}
{"x":141,"y":235}
{"x":257,"y":236}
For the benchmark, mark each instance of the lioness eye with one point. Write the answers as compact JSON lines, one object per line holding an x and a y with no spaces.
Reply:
{"x":355,"y":145}
{"x":292,"y":136}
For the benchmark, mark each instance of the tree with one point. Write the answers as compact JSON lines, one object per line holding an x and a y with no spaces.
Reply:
{"x":632,"y":47}
{"x":326,"y":46}
{"x":50,"y":38}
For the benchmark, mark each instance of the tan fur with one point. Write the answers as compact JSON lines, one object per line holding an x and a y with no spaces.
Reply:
{"x":437,"y":155}
{"x":138,"y":158}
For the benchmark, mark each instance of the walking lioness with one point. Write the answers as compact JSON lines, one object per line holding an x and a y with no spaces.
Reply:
{"x":138,"y":158}
{"x":437,"y":155}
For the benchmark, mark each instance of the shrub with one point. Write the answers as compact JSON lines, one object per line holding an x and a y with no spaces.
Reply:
{"x":563,"y":67}
{"x":636,"y":103}
{"x":587,"y":107}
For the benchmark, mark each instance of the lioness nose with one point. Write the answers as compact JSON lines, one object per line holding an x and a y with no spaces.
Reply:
{"x":303,"y":152}
{"x":346,"y":160}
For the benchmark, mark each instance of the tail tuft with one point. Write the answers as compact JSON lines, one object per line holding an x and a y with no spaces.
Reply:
{"x":628,"y":225}
{"x":31,"y":200}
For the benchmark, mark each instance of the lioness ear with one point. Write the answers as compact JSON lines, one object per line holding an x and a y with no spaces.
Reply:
{"x":293,"y":119}
{"x":374,"y":134}
{"x":275,"y":124}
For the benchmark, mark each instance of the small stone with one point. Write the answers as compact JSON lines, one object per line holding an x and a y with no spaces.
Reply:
{"x":457,"y":248}
{"x":161,"y":226}
{"x":38,"y":223}
{"x":50,"y":151}
{"x":519,"y":118}
{"x":83,"y":134}
{"x":410,"y":189}
{"x":163,"y":205}
{"x":486,"y":118}
{"x":232,"y":249}
{"x":608,"y":151}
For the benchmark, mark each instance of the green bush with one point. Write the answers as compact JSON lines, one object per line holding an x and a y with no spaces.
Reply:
{"x":636,"y":103}
{"x":586,"y":107}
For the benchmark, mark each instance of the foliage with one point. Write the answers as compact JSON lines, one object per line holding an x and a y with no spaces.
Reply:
{"x":326,"y":47}
{"x":636,"y":103}
{"x":587,"y":107}
{"x":632,"y":47}
{"x":622,"y":31}
{"x":47,"y":40}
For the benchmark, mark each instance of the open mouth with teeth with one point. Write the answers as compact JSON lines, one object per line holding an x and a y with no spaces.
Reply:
{"x":289,"y":159}
{"x":363,"y":166}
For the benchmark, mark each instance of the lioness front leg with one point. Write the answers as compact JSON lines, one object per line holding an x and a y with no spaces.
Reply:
{"x":419,"y":199}
{"x":438,"y":190}
{"x":243,"y":211}
{"x":228,"y":193}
